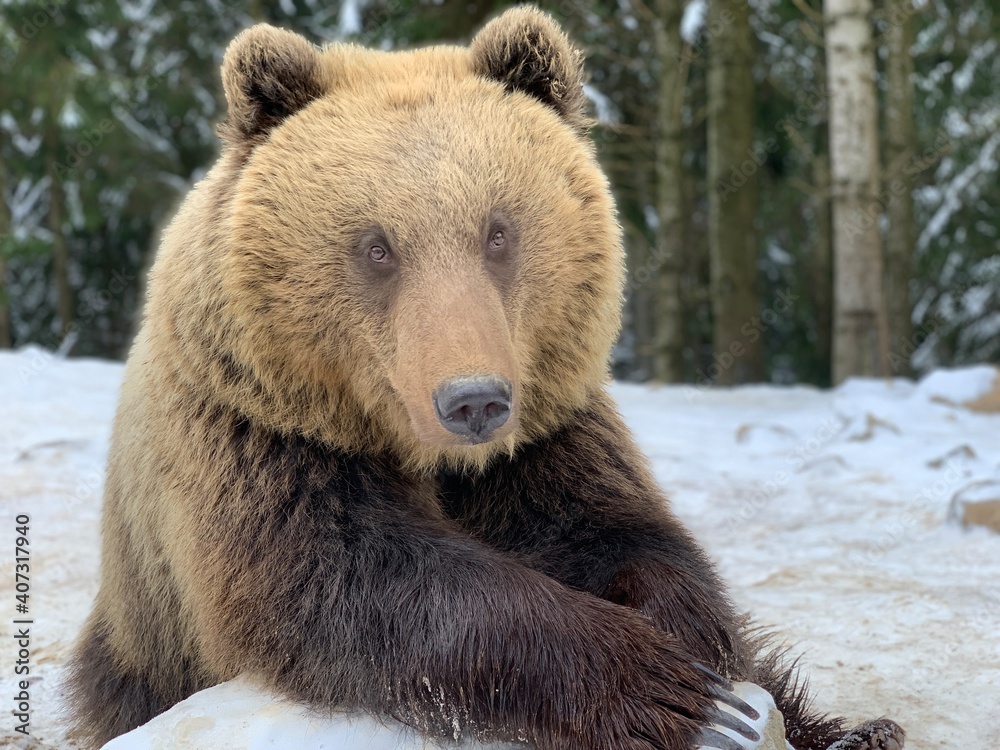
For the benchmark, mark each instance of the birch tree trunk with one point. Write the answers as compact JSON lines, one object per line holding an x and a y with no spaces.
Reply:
{"x":667,"y":360}
{"x":901,"y":146}
{"x":860,"y":344}
{"x":732,"y":207}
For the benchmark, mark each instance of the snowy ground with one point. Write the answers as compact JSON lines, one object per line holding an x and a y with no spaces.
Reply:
{"x":827,"y":512}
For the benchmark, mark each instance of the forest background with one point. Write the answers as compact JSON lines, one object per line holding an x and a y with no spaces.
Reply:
{"x":809,"y":190}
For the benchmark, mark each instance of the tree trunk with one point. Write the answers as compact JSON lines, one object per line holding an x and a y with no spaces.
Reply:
{"x":6,"y":339}
{"x":901,"y":140}
{"x":859,"y":329}
{"x":60,"y":252}
{"x":732,"y":175}
{"x":822,"y":270}
{"x":639,"y":301}
{"x":667,"y":360}
{"x":258,"y":12}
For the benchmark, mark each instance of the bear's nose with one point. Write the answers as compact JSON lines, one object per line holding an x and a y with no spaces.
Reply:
{"x":473,"y":406}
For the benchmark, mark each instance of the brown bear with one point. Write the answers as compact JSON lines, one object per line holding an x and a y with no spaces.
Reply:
{"x":364,"y":450}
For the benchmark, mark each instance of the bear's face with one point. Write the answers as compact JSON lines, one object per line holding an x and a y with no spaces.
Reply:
{"x":427,"y":231}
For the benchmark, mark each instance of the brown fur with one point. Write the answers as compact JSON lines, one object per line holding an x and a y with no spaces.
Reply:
{"x":282,"y":499}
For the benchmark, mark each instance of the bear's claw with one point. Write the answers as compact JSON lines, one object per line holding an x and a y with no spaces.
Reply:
{"x":709,"y":738}
{"x":735,"y":701}
{"x":727,"y":720}
{"x":721,"y":690}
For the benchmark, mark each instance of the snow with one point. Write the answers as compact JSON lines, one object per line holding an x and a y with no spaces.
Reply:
{"x":959,"y":386}
{"x":349,"y":20}
{"x":238,"y":716}
{"x":827,"y":512}
{"x":607,"y":113}
{"x":961,"y":190}
{"x":768,"y":725}
{"x":964,"y":76}
{"x":693,"y":20}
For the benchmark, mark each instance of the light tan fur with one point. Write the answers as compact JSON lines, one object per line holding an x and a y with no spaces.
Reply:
{"x":249,"y":299}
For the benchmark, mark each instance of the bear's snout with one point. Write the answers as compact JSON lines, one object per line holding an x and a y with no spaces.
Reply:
{"x":474,"y":406}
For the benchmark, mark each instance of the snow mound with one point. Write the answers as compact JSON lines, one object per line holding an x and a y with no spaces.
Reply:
{"x":960,"y":386}
{"x":237,"y":715}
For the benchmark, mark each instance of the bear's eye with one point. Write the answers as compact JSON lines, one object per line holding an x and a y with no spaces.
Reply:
{"x":497,"y":240}
{"x":378,"y":254}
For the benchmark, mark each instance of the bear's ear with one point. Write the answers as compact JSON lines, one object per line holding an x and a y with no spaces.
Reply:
{"x":268,"y":74}
{"x":527,"y":51}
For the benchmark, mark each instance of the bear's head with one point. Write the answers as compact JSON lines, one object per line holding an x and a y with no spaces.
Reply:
{"x":412,"y":250}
